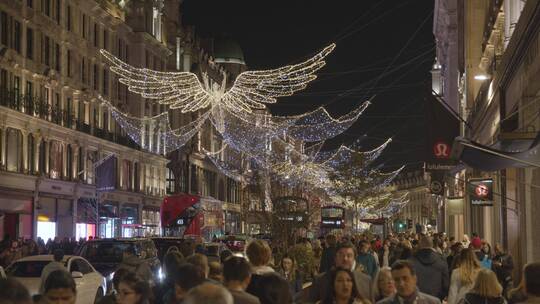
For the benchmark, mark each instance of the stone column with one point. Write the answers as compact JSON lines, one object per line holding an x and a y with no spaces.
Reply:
{"x":37,"y":142}
{"x":65,"y":173}
{"x":85,"y":163}
{"x":47,"y":155}
{"x":151,"y":136}
{"x":3,"y":151}
{"x":74,"y":162}
{"x":25,"y":151}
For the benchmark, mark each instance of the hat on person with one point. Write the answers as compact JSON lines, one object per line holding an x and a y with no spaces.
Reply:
{"x":476,"y":243}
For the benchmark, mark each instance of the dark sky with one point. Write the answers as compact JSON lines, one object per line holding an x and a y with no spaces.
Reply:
{"x":385,"y":48}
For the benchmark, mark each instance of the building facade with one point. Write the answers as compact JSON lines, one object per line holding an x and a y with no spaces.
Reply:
{"x":498,"y":93}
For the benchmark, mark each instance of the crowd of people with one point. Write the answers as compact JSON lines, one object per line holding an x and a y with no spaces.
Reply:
{"x":13,"y":249}
{"x":400,"y":269}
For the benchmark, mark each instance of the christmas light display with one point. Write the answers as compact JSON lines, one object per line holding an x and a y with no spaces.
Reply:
{"x":253,"y":139}
{"x":251,"y":89}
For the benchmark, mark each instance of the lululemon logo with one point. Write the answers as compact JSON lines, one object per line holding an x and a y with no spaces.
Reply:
{"x":441,"y":150}
{"x":481,"y":190}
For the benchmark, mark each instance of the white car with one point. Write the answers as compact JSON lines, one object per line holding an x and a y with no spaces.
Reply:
{"x":91,"y":285}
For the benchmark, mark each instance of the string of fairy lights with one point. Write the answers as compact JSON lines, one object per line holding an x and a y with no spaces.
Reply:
{"x":275,"y":145}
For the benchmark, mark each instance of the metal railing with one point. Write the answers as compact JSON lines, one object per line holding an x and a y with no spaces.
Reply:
{"x":38,"y":107}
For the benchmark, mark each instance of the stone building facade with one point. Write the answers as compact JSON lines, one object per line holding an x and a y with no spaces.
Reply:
{"x":54,"y":131}
{"x":498,"y":92}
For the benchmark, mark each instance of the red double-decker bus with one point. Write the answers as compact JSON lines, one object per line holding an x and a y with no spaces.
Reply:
{"x":186,"y":214}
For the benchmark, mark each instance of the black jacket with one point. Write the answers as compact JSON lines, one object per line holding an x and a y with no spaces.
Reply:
{"x":472,"y":298}
{"x":328,"y":259}
{"x":432,"y":272}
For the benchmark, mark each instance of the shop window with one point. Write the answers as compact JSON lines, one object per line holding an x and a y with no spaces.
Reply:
{"x":14,"y":150}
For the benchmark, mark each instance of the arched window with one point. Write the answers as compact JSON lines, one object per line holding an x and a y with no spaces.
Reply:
{"x":14,"y":150}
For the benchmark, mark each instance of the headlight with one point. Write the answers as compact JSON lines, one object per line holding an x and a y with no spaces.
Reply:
{"x":110,"y":277}
{"x":161,"y":274}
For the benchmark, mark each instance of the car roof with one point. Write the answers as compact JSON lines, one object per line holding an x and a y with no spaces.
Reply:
{"x":45,"y":257}
{"x":123,"y":240}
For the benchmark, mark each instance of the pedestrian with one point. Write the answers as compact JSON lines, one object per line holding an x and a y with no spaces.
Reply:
{"x":366,"y":259}
{"x":329,"y":253}
{"x":385,"y":286}
{"x":237,"y":276}
{"x":431,"y":269}
{"x":215,"y":272}
{"x":503,"y":265}
{"x":171,"y":262}
{"x":271,"y":288}
{"x":406,"y":289}
{"x":13,"y":292}
{"x":343,"y":289}
{"x":11,"y":254}
{"x":59,"y":288}
{"x":463,"y":277}
{"x":111,"y":298}
{"x":187,"y":277}
{"x":518,"y":294}
{"x":140,"y":267}
{"x":486,"y":289}
{"x":56,"y":264}
{"x":531,"y":276}
{"x":455,"y":249}
{"x":201,"y":261}
{"x":259,"y":255}
{"x":287,"y":269}
{"x":345,"y":258}
{"x":133,"y":290}
{"x":208,"y":293}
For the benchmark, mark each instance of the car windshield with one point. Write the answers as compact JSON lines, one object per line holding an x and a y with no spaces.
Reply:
{"x":104,"y":252}
{"x":26,"y":269}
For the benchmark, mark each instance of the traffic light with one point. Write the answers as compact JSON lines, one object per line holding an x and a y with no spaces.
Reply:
{"x":409,"y":224}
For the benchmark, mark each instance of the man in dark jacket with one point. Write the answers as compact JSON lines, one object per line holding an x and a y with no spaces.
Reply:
{"x":329,"y":253}
{"x":431,"y":269}
{"x":503,"y":265}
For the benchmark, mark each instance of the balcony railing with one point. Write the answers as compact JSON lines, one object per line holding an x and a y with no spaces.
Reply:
{"x":38,"y":107}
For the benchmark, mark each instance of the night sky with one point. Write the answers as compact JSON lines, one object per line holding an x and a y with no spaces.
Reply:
{"x":385,"y":49}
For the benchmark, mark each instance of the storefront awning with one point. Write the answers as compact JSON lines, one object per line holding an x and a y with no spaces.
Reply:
{"x":502,"y":155}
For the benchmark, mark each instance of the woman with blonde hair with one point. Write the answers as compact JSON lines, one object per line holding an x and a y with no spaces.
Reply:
{"x":384,"y":284}
{"x":463,"y":276}
{"x":486,"y":290}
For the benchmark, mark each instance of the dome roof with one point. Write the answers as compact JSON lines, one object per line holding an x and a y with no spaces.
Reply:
{"x":227,"y":50}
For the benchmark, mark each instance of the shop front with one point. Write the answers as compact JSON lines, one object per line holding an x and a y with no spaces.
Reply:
{"x":109,"y":220}
{"x":233,"y":222}
{"x":87,"y":216}
{"x":151,"y":221}
{"x":129,"y":214}
{"x":16,"y":216}
{"x":54,"y":218}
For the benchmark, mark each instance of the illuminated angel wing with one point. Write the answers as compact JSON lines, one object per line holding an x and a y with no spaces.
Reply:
{"x":180,"y":90}
{"x":254,"y":89}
